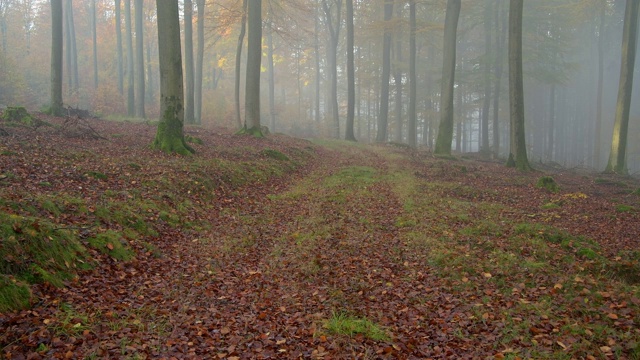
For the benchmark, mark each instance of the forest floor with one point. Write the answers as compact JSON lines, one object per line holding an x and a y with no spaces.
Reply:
{"x":286,"y":248}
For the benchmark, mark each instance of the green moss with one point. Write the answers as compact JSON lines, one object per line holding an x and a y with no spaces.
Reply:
{"x":254,"y":131}
{"x":550,"y":206}
{"x":275,"y":154}
{"x":96,"y":175}
{"x":193,"y":140}
{"x":134,"y":166}
{"x":170,"y":137}
{"x":625,"y":208}
{"x":547,"y":183}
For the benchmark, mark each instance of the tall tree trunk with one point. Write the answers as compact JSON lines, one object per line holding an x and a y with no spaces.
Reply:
{"x":73,"y":50}
{"x":94,"y":37}
{"x":597,"y":151}
{"x":487,"y":77}
{"x":56,"y":57}
{"x":188,"y":62}
{"x":316,"y":50}
{"x":518,"y":150}
{"x":445,"y":130}
{"x":170,"y":136}
{"x":130,"y":78}
{"x":617,"y":158}
{"x":383,"y":115}
{"x":334,"y":38}
{"x":351,"y":75}
{"x":397,"y":79}
{"x":149,"y":86}
{"x":272,"y":81}
{"x":197,"y":101}
{"x":254,"y":57}
{"x":552,"y":120}
{"x":243,"y":29}
{"x":4,"y":5}
{"x":501,"y":28}
{"x":139,"y":88}
{"x":119,"y":47}
{"x":412,"y":137}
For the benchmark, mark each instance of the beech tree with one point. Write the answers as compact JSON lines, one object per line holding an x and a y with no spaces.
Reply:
{"x":94,"y":38}
{"x":199,"y":60}
{"x":383,"y":114}
{"x":170,"y":135}
{"x":119,"y":47}
{"x":413,"y":93}
{"x":617,"y":158}
{"x":71,"y":49}
{"x":139,"y":72}
{"x":56,"y":57}
{"x":518,"y":150}
{"x":243,"y":27}
{"x":351,"y":92}
{"x":130,"y":78}
{"x":333,"y":22}
{"x":254,"y":58}
{"x":188,"y":62}
{"x":445,"y":130}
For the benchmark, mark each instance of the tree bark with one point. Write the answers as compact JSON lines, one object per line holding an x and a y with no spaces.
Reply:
{"x":119,"y":47}
{"x":197,"y":101}
{"x":351,"y":77}
{"x":411,"y":133}
{"x":383,"y":115}
{"x":598,"y":130}
{"x":445,"y":130}
{"x":272,"y":81}
{"x":139,"y":72}
{"x":56,"y":57}
{"x":130,"y":78}
{"x":243,"y":29}
{"x":551,"y":125}
{"x":188,"y":62}
{"x":617,"y":158}
{"x":334,"y":38}
{"x":254,"y":57}
{"x":518,"y":150}
{"x":500,"y":40}
{"x":397,"y":79}
{"x":316,"y":49}
{"x":94,"y":38}
{"x":71,"y":33}
{"x":170,"y":136}
{"x":487,"y":77}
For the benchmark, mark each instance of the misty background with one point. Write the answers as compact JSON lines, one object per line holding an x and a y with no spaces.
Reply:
{"x":560,"y":53}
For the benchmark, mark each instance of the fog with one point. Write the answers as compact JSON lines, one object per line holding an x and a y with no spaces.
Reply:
{"x":560,"y":52}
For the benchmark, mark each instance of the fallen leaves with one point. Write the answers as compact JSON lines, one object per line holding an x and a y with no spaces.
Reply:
{"x":255,"y":274}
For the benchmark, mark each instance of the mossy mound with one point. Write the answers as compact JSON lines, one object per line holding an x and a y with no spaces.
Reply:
{"x":547,"y":183}
{"x":20,"y":115}
{"x":275,"y":154}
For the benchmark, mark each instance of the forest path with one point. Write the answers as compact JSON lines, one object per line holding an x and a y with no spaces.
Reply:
{"x":421,"y":257}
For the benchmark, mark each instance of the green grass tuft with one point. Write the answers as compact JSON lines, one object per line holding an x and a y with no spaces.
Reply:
{"x":344,"y":324}
{"x":14,"y":295}
{"x":625,"y":208}
{"x":109,"y":242}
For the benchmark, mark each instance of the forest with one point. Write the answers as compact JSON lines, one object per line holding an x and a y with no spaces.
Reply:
{"x":385,"y":179}
{"x":571,"y":60}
